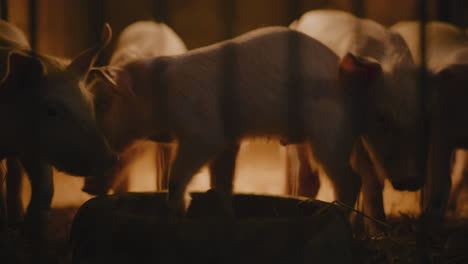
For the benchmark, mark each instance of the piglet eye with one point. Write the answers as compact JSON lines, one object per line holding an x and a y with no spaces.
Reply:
{"x":51,"y":111}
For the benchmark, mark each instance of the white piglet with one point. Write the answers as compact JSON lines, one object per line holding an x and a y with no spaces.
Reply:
{"x":447,"y":60}
{"x":48,"y":120}
{"x":210,"y":98}
{"x":139,"y":40}
{"x":392,"y":145}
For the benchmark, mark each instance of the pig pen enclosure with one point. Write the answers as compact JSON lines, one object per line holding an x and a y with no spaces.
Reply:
{"x":277,"y":219}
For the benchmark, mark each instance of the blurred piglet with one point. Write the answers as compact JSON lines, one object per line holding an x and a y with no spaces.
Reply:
{"x":447,"y":59}
{"x":138,"y":41}
{"x":210,"y":98}
{"x":392,"y":145}
{"x":11,"y":38}
{"x":48,"y":118}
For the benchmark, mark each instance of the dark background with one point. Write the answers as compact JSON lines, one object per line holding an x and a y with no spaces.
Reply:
{"x":65,"y":27}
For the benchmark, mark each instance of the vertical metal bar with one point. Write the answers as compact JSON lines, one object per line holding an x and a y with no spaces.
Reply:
{"x":98,"y":16}
{"x":458,"y":13}
{"x":423,"y":66}
{"x":4,"y":9}
{"x":229,"y":14}
{"x":294,"y":105}
{"x":33,"y":24}
{"x":160,"y":10}
{"x":3,"y":213}
{"x":294,"y":10}
{"x":422,"y":47}
{"x":162,"y":152}
{"x":359,"y":8}
{"x":445,"y":8}
{"x":424,"y":227}
{"x":293,"y":175}
{"x":227,"y":93}
{"x":452,"y":11}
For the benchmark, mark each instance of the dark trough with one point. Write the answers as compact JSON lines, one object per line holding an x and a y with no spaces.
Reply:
{"x":134,"y":228}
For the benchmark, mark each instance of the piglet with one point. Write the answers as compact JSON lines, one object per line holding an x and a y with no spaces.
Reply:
{"x":447,"y":61}
{"x":138,"y":41}
{"x":392,"y":146}
{"x":11,"y":38}
{"x":210,"y":98}
{"x":48,"y":118}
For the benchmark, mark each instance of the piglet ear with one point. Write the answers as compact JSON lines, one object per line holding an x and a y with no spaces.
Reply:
{"x":21,"y":65}
{"x":81,"y":64}
{"x":119,"y":79}
{"x":364,"y":68}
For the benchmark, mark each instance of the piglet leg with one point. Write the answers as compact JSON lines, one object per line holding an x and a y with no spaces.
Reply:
{"x":191,"y":156}
{"x":437,"y":190}
{"x":163,"y":163}
{"x":100,"y":185}
{"x":335,"y":160}
{"x":42,"y":189}
{"x":301,"y":179}
{"x":371,"y":191}
{"x":222,"y":169}
{"x":14,"y":179}
{"x":122,"y":185}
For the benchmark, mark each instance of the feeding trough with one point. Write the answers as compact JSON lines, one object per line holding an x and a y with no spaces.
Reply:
{"x":134,"y":228}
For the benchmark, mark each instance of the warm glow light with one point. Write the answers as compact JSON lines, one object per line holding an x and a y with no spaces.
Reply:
{"x":260,"y":169}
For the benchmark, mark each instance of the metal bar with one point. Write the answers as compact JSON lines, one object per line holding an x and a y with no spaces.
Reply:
{"x":294,"y":10}
{"x":3,"y":212}
{"x":227,"y":93}
{"x":33,"y":24}
{"x":98,"y":16}
{"x":295,"y":120}
{"x":229,"y":14}
{"x":423,"y":245}
{"x":444,"y":8}
{"x":458,"y":13}
{"x":4,"y":9}
{"x":160,"y":10}
{"x":422,"y":47}
{"x":423,"y":67}
{"x":359,"y":9}
{"x":294,"y":105}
